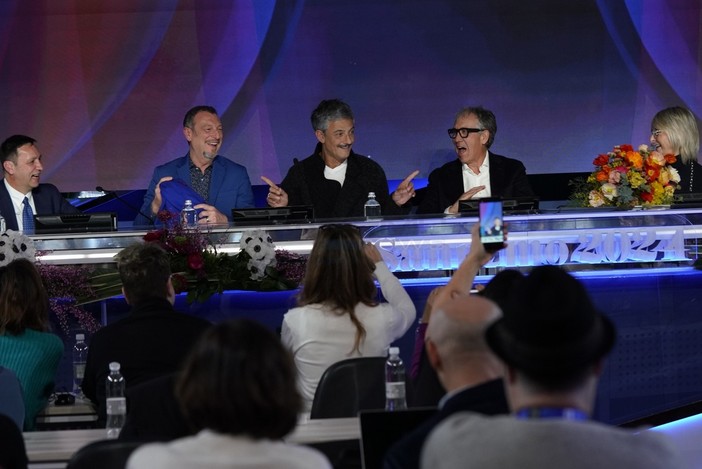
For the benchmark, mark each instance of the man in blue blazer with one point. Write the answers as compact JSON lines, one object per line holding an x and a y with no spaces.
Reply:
{"x":477,"y":173}
{"x":22,"y":167}
{"x":220,"y":182}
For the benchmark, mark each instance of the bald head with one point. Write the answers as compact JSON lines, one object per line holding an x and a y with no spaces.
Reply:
{"x":456,"y":344}
{"x":458,"y":325}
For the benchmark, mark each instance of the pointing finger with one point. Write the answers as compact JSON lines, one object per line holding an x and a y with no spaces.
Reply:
{"x":410,"y":177}
{"x":269,"y":182}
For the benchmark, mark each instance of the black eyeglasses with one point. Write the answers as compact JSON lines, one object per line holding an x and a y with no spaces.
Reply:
{"x":463,"y":132}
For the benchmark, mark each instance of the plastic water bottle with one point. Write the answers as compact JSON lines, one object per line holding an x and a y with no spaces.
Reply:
{"x":3,"y":224}
{"x":116,"y":403}
{"x":395,"y":397}
{"x":188,"y":216}
{"x":372,"y":207}
{"x":80,"y":354}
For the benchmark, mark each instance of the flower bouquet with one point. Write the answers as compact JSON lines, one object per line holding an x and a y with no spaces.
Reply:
{"x":201,"y":271}
{"x":625,"y":177}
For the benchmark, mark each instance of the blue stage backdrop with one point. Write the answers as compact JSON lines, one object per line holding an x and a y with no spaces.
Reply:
{"x":103,"y":86}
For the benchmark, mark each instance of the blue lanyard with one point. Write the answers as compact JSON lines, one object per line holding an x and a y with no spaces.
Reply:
{"x":566,"y":413}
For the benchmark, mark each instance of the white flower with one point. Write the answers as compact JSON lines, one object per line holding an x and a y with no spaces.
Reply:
{"x":673,"y":174}
{"x":609,"y":190}
{"x":643,"y":148}
{"x":15,"y":245}
{"x":595,"y":199}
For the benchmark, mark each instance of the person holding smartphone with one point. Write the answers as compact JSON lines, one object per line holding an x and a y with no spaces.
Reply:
{"x":477,"y":172}
{"x":492,"y":233}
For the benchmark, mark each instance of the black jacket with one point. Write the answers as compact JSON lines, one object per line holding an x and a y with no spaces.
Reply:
{"x":306,"y":185}
{"x":151,"y":341}
{"x":507,"y":179}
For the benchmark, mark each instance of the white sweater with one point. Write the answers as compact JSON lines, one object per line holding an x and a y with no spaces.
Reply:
{"x":318,"y":337}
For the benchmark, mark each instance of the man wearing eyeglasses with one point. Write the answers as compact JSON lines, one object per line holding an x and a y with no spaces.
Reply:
{"x":477,"y":172}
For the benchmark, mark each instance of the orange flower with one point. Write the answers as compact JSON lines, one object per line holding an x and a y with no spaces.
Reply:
{"x":602,"y":176}
{"x":669,"y":158}
{"x":626,"y":148}
{"x":652,"y":172}
{"x":634,"y":158}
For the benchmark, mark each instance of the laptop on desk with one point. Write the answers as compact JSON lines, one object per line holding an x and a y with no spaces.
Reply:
{"x":272,"y":216}
{"x":687,"y":200}
{"x":381,"y":429}
{"x":510,"y":206}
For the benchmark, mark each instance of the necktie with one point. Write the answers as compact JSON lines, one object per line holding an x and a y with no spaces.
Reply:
{"x":27,"y":217}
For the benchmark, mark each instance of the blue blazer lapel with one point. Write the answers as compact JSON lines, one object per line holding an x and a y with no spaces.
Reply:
{"x":183,"y":170}
{"x":217,"y":180}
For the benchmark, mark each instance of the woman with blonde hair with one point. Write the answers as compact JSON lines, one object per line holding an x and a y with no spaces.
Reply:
{"x":674,"y":131}
{"x":26,"y":346}
{"x":338,"y":314}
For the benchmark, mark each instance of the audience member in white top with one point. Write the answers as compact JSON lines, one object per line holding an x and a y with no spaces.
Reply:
{"x":238,"y":390}
{"x":339,"y":316}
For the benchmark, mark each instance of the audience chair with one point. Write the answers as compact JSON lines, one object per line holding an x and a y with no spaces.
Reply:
{"x":348,"y":386}
{"x":103,"y":454}
{"x":13,"y":454}
{"x":11,"y":397}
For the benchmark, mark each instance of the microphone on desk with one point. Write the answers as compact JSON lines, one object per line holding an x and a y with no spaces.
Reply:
{"x":124,"y":202}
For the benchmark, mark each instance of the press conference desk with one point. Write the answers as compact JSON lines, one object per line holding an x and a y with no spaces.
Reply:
{"x":81,"y":414}
{"x":52,"y":449}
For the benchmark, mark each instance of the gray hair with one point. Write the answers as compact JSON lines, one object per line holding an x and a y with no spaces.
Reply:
{"x":330,"y":110}
{"x":681,"y":126}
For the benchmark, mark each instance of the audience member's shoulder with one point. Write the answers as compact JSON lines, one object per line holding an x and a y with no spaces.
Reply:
{"x":456,"y":427}
{"x":49,"y":339}
{"x":189,"y":318}
{"x":304,"y":457}
{"x":653,"y":447}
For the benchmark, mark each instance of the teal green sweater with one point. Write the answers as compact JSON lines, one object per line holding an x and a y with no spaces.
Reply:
{"x":34,"y":357}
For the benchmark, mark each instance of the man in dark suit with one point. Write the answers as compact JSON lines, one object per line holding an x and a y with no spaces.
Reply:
{"x":477,"y":172}
{"x":154,"y":338}
{"x":457,"y":351}
{"x":22,"y":195}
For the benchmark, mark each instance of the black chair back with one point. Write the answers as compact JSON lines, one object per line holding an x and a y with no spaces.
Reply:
{"x":348,"y":386}
{"x":105,"y":454}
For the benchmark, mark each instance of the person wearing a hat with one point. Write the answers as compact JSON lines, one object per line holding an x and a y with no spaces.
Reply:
{"x":553,"y":342}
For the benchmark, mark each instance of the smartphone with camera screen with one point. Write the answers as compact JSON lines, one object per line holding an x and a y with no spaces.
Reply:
{"x":492,"y":232}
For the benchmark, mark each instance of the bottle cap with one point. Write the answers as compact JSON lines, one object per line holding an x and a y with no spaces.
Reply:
{"x":394,"y":350}
{"x":188,"y":201}
{"x":371,"y":194}
{"x":114,"y":366}
{"x":80,"y":336}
